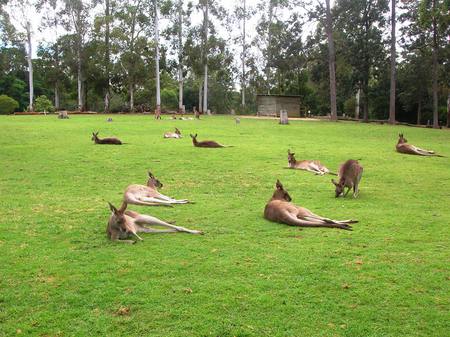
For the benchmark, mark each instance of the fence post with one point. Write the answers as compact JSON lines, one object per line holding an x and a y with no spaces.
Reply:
{"x":284,"y":117}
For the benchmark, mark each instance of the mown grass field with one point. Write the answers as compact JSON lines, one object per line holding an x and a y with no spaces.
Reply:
{"x":60,"y":276}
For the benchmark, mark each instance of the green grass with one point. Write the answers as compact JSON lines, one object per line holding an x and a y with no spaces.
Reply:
{"x":60,"y":276}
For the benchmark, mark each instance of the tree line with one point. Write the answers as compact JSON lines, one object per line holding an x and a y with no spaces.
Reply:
{"x":346,"y":58}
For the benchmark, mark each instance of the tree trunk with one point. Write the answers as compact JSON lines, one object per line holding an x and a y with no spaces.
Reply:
{"x":79,"y":81}
{"x":56,"y":97}
{"x":419,"y":112}
{"x":30,"y":68}
{"x":331,"y":63}
{"x":158,"y":87}
{"x":393,"y":66}
{"x":435,"y":70}
{"x":357,"y":105}
{"x":131,"y":97}
{"x":200,"y":105}
{"x":107,"y":58}
{"x":205,"y":82}
{"x":365,"y":94}
{"x":448,"y":109}
{"x":243,"y":54}
{"x":269,"y":42}
{"x":180,"y":56}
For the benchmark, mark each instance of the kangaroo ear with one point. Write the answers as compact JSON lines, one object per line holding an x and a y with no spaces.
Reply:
{"x":334,"y":182}
{"x":278,"y":185}
{"x":195,"y":136}
{"x":191,"y":135}
{"x":289,"y":151}
{"x":112,"y":208}
{"x":150,"y":174}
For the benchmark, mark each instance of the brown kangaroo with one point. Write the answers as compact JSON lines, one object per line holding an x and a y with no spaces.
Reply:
{"x":124,"y":224}
{"x":349,"y":176}
{"x":313,"y":166}
{"x":176,"y":134}
{"x":112,"y":140}
{"x":205,"y":143}
{"x":403,"y":147}
{"x":280,"y":209}
{"x":149,"y":195}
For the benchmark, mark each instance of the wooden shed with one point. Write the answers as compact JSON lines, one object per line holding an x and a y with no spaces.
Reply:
{"x":270,"y":105}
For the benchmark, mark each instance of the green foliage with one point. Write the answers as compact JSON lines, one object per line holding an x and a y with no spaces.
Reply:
{"x":169,"y":98}
{"x":246,"y":276}
{"x":7,"y":105}
{"x":42,"y":104}
{"x":350,"y":106}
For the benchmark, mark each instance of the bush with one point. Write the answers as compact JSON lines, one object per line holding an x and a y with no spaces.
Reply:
{"x":350,"y":107}
{"x":7,"y":105}
{"x":44,"y":104}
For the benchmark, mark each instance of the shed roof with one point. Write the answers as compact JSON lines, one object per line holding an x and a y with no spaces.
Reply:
{"x":278,"y":95}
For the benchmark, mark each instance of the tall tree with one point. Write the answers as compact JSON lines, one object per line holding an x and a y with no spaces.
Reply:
{"x":21,"y":11}
{"x":393,"y":65}
{"x":331,"y":61}
{"x":205,"y":56}
{"x":433,"y":17}
{"x":107,"y":56}
{"x":77,"y":15}
{"x":158,"y":85}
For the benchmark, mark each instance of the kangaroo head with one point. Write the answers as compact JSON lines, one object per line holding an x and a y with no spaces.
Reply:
{"x":178,"y":132}
{"x":153,"y":182}
{"x":339,"y":187}
{"x":291,"y":157}
{"x":194,"y":137}
{"x":280,"y":193}
{"x":401,"y":139}
{"x":117,"y":219}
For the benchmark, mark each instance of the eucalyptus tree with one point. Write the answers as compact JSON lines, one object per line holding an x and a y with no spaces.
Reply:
{"x":76,"y":15}
{"x":156,"y":42}
{"x":21,"y":11}
{"x":393,"y":65}
{"x":176,"y":32}
{"x":132,"y":48}
{"x":434,"y":19}
{"x":361,"y":23}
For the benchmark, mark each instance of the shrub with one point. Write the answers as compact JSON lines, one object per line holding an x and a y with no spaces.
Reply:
{"x":7,"y":105}
{"x":44,"y":104}
{"x":350,"y":107}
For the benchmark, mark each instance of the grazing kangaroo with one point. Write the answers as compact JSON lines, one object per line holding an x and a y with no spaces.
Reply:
{"x":313,"y":166}
{"x":403,"y":147}
{"x":280,"y":209}
{"x":176,"y":134}
{"x":112,"y":140}
{"x":149,"y":195}
{"x":124,"y":224}
{"x":349,"y":176}
{"x":205,"y":143}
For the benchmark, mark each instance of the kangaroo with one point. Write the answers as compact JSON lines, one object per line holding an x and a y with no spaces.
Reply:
{"x":280,"y":209}
{"x":313,"y":166}
{"x":149,"y":195}
{"x":176,"y":134}
{"x":403,"y":147}
{"x":205,"y":143}
{"x":349,"y":176}
{"x":112,"y":140}
{"x":123,"y":225}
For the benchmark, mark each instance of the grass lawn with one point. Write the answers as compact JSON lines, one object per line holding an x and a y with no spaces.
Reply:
{"x":60,"y":276}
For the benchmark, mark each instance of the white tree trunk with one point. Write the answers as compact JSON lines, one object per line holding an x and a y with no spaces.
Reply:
{"x":205,"y":82}
{"x":158,"y":87}
{"x":200,"y":105}
{"x":180,"y":56}
{"x":79,"y":81}
{"x":131,"y":98}
{"x":331,"y":62}
{"x":30,"y":67}
{"x":243,"y":54}
{"x":358,"y":96}
{"x":56,"y":97}
{"x":393,"y":65}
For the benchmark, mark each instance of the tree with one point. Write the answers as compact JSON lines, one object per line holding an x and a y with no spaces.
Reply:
{"x":158,"y":87}
{"x":21,"y":11}
{"x":433,"y":17}
{"x":360,"y":22}
{"x":331,"y":61}
{"x":393,"y":65}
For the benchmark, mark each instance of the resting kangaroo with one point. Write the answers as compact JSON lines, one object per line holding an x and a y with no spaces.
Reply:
{"x":313,"y":166}
{"x":123,"y":224}
{"x":280,"y":209}
{"x":149,"y":195}
{"x":403,"y":147}
{"x":349,"y":176}
{"x":176,"y":134}
{"x":205,"y":143}
{"x":112,"y":140}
